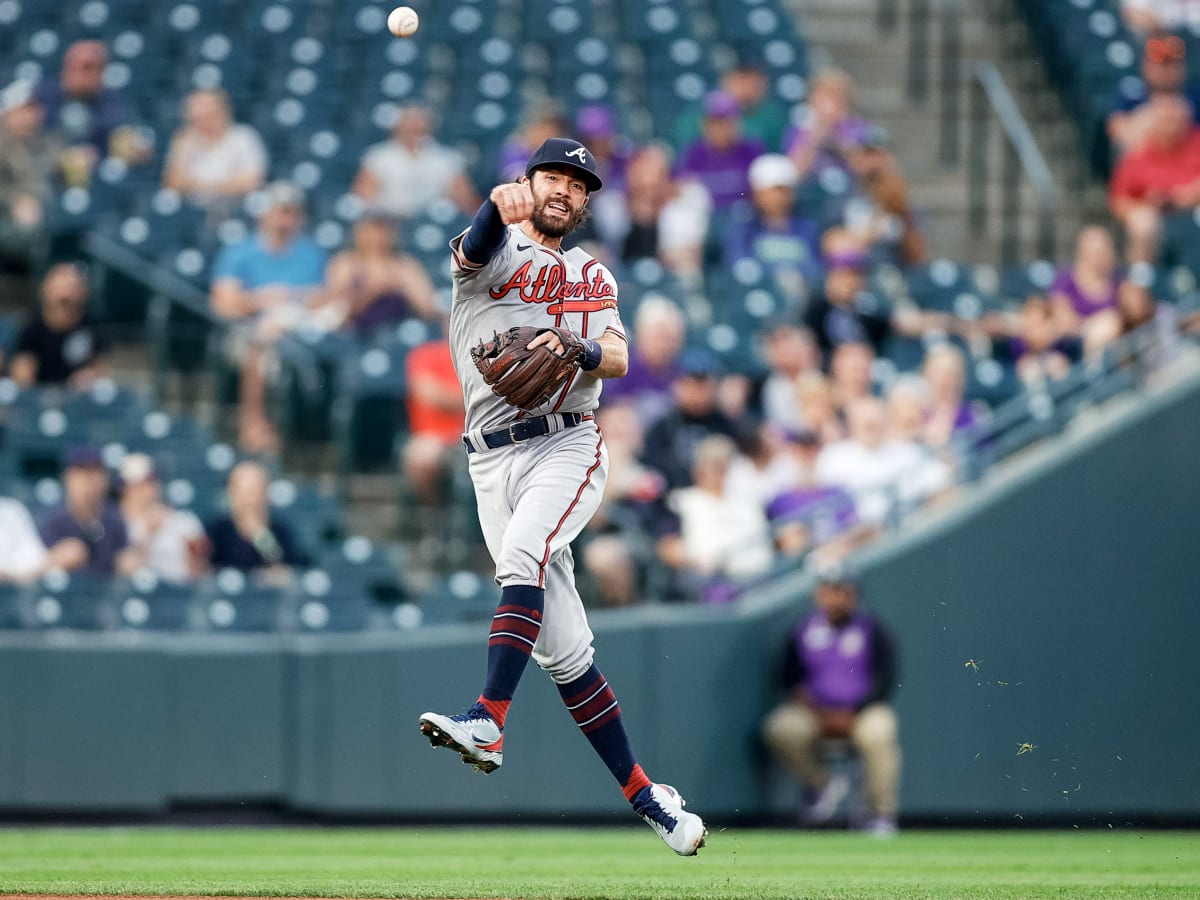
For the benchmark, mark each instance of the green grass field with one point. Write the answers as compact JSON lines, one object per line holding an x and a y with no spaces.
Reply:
{"x":596,"y":863}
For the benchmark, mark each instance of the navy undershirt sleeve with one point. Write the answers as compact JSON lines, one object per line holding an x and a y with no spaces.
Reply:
{"x":486,"y":235}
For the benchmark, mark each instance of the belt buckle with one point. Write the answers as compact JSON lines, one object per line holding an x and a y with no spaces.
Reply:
{"x":512,"y":437}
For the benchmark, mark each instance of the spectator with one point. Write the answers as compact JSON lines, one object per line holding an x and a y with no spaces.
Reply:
{"x":1160,"y":178}
{"x":92,"y":121}
{"x":408,"y":172}
{"x":62,"y":345}
{"x":763,"y":117}
{"x":26,"y":162}
{"x":722,"y":536}
{"x":1138,"y":309}
{"x":671,"y":442}
{"x":808,"y":514}
{"x":212,"y":159}
{"x":890,"y":224}
{"x":629,"y":515}
{"x":720,"y":158}
{"x":658,"y":335}
{"x":1089,"y":286}
{"x":370,"y":283}
{"x":543,"y":120}
{"x":763,"y":468}
{"x":883,"y":475}
{"x":769,"y":230}
{"x":251,"y":538}
{"x":908,"y":407}
{"x":596,"y":126}
{"x":266,"y":283}
{"x":1164,"y":71}
{"x":790,"y":352}
{"x":1155,"y":15}
{"x":435,"y":417}
{"x":830,"y":130}
{"x":818,"y":407}
{"x":1038,"y":350}
{"x":844,"y":311}
{"x":667,"y":219}
{"x":850,"y":376}
{"x":948,"y":413}
{"x":840,"y":669}
{"x":168,"y":542}
{"x":23,"y":556}
{"x":86,"y":531}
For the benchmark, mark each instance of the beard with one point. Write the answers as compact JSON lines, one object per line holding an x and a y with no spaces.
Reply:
{"x":557,"y":228}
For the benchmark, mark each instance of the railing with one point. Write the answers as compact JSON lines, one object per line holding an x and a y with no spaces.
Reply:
{"x":989,"y":99}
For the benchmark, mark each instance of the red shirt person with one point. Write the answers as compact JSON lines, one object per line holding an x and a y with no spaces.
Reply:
{"x":435,"y":416}
{"x":1160,"y":177}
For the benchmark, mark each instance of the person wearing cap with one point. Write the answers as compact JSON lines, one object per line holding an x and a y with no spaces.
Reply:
{"x":763,"y":116}
{"x":168,"y":542}
{"x":720,"y":158}
{"x":538,"y":464}
{"x":1160,"y":179}
{"x":61,"y":345}
{"x":671,"y":443}
{"x":86,"y":531}
{"x":26,"y":163}
{"x":844,"y":310}
{"x":840,"y":669}
{"x":264,"y":284}
{"x":1164,"y":71}
{"x":768,"y":230}
{"x":371,"y":283}
{"x":790,"y":352}
{"x":213,"y":159}
{"x":410,"y":171}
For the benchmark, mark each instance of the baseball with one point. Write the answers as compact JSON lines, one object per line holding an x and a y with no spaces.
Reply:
{"x":403,"y":21}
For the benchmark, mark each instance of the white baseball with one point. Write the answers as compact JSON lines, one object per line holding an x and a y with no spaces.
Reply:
{"x":403,"y":21}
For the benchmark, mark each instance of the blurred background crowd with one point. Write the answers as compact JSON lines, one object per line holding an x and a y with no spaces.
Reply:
{"x":239,"y":212}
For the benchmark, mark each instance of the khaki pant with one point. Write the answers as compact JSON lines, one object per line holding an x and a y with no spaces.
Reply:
{"x":792,"y":733}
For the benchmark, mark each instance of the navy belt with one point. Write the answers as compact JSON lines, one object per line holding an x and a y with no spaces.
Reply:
{"x":526,"y":429}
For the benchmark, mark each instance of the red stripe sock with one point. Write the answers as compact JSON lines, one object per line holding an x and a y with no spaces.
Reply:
{"x":637,"y":781}
{"x":497,"y":709}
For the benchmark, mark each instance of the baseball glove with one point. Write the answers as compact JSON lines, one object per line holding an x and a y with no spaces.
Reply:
{"x":526,"y":378}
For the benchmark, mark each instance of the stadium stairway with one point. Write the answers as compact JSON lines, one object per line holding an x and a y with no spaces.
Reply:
{"x":845,"y":33}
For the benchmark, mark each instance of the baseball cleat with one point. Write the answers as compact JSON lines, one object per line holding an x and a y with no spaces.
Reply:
{"x":473,"y":734}
{"x":661,"y":807}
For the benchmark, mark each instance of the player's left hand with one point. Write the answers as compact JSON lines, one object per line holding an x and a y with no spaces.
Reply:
{"x":549,"y":340}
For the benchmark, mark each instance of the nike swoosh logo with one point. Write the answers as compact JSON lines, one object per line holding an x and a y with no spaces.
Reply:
{"x":524,"y":246}
{"x":484,"y":738}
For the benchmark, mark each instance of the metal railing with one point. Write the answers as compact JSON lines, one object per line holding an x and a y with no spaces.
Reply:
{"x":1022,"y":161}
{"x":990,"y":99}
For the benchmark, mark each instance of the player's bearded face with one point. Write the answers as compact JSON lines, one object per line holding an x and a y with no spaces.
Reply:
{"x":558,"y":206}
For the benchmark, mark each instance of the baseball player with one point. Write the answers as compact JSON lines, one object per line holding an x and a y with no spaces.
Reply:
{"x":537,"y":460}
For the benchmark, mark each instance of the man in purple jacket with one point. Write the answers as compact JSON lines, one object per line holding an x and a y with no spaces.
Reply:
{"x":840,"y":669}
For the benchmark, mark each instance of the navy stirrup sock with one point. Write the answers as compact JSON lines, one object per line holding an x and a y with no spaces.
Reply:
{"x":515,"y":629}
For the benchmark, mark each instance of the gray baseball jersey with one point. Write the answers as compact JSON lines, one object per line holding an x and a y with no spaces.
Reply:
{"x":526,"y":283}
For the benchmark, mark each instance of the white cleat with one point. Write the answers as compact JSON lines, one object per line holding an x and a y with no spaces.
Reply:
{"x":472,"y":734}
{"x":661,"y":807}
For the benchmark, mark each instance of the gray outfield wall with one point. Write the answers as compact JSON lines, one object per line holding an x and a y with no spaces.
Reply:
{"x":1074,"y":585}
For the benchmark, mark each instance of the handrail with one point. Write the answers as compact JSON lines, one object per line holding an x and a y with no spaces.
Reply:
{"x":991,"y":97}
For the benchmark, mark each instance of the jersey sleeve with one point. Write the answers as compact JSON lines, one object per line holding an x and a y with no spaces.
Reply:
{"x":608,"y":317}
{"x":461,"y":272}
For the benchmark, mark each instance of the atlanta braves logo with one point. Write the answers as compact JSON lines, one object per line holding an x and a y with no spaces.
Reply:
{"x":581,"y":152}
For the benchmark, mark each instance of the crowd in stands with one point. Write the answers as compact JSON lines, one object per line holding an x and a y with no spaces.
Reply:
{"x":718,"y":471}
{"x":138,"y":532}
